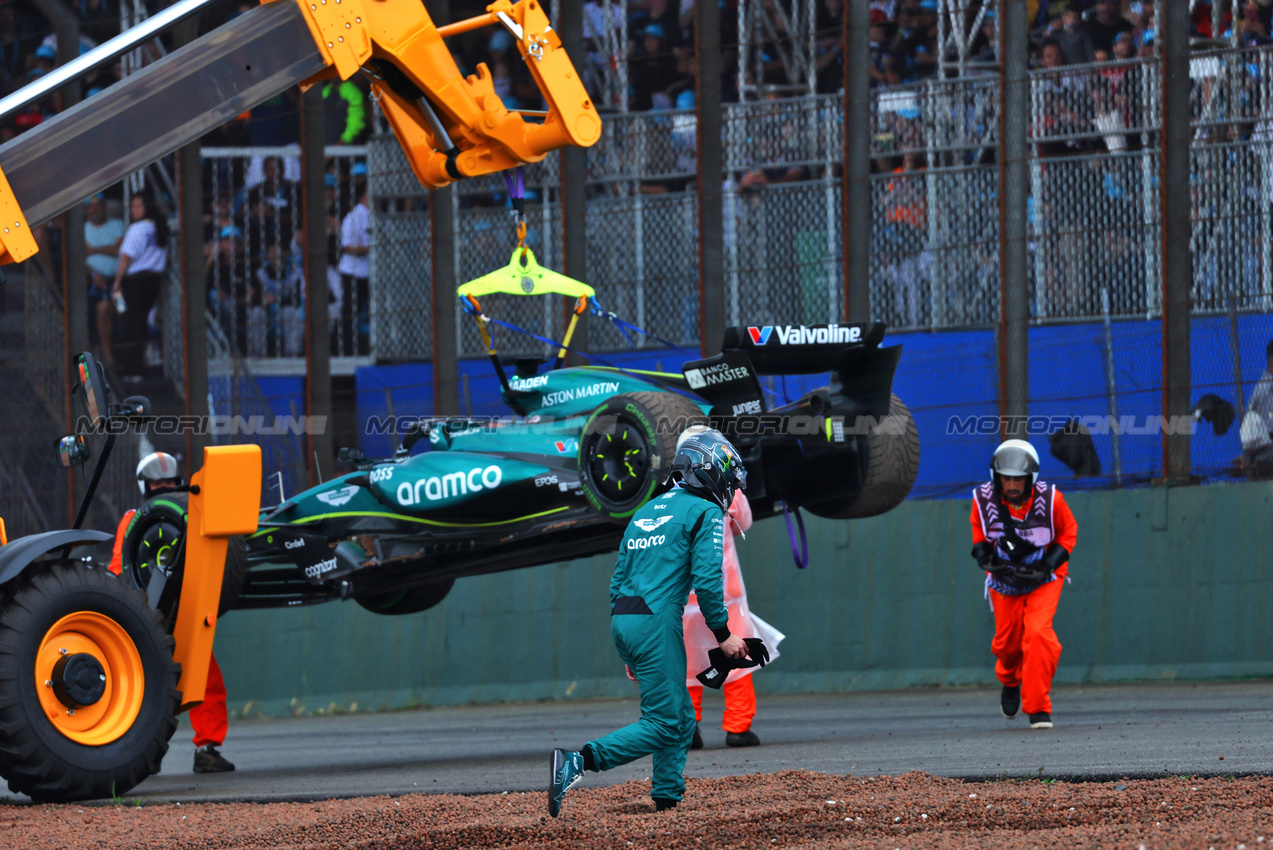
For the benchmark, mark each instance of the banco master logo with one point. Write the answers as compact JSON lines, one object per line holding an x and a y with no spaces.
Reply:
{"x":717,"y":373}
{"x":648,"y":524}
{"x":806,"y":334}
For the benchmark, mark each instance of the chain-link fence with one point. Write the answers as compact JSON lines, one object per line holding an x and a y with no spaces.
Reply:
{"x":254,"y":260}
{"x":1093,"y":233}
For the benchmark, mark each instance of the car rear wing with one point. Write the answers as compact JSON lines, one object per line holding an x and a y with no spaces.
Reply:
{"x":861,"y":371}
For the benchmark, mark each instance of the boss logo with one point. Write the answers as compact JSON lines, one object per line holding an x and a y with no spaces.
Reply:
{"x":382,"y":474}
{"x":646,"y":542}
{"x":321,"y":567}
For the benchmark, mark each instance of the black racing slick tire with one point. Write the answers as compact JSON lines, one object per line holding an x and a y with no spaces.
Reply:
{"x":627,"y":446}
{"x":153,"y":541}
{"x":413,"y":600}
{"x":88,"y":682}
{"x":890,"y":464}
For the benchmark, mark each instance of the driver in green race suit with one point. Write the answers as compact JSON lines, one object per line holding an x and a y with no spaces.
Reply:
{"x":673,"y":543}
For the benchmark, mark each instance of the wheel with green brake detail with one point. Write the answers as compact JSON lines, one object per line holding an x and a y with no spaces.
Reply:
{"x":627,"y":446}
{"x":153,"y":542}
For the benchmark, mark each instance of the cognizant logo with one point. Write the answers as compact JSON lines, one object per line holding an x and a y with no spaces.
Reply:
{"x":437,"y":487}
{"x":646,"y":542}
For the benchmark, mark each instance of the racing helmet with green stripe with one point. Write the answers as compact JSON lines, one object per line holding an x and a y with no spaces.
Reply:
{"x":708,"y":465}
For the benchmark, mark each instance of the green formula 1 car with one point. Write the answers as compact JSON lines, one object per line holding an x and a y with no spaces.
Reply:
{"x":582,"y":449}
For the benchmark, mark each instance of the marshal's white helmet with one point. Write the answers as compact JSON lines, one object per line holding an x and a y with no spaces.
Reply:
{"x":1015,"y":458}
{"x":157,"y":466}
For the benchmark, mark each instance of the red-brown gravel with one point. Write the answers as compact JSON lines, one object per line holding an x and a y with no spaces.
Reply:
{"x":788,"y":809}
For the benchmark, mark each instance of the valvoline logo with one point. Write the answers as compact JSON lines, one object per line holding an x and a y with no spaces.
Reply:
{"x":760,"y":336}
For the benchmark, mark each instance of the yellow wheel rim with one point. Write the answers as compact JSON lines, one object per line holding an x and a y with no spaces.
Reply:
{"x":100,"y":636}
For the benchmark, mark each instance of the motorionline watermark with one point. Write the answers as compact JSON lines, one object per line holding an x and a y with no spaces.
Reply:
{"x":213,"y":425}
{"x":745,"y":425}
{"x":1095,"y":424}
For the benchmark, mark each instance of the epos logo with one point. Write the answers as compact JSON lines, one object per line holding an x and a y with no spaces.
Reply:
{"x":760,"y":336}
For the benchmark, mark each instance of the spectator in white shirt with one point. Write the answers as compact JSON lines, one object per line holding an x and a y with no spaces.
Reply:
{"x":143,"y":257}
{"x":355,"y":271}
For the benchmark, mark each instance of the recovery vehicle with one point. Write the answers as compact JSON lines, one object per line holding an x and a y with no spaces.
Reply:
{"x":92,"y":668}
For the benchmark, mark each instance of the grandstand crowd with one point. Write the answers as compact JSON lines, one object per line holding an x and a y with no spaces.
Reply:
{"x":251,"y":217}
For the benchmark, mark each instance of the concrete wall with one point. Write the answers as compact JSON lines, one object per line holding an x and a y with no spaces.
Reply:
{"x":1166,"y":584}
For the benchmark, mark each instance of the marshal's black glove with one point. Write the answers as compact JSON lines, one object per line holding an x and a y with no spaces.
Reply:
{"x":714,"y":676}
{"x":984,"y":554}
{"x":1053,"y":557}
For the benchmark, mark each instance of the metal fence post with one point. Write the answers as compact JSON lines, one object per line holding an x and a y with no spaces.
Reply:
{"x":1177,"y":271}
{"x":446,"y":398}
{"x":574,"y":180}
{"x":194,"y":292}
{"x":318,"y":365}
{"x":855,"y":216}
{"x":446,"y":390}
{"x":711,"y":253}
{"x":75,"y":306}
{"x":1014,"y":181}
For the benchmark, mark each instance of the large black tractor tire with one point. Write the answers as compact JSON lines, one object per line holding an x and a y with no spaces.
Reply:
{"x":153,"y":540}
{"x":627,"y":446}
{"x":95,"y":720}
{"x":890,"y":466}
{"x":413,"y":600}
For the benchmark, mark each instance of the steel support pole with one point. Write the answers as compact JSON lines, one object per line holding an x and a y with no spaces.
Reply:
{"x":446,"y":388}
{"x":1014,"y":190}
{"x":194,"y":287}
{"x":574,"y":179}
{"x":74,"y":296}
{"x":318,"y":365}
{"x":855,"y":213}
{"x":1177,"y":266}
{"x":446,"y":370}
{"x":711,"y":233}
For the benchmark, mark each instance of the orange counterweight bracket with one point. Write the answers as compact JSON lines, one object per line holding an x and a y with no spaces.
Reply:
{"x":224,"y":501}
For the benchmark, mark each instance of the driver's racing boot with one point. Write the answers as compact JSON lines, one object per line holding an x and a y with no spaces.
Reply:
{"x":208,"y":760}
{"x":567,"y":770}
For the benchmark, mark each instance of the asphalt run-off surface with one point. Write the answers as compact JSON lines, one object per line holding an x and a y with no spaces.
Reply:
{"x":1102,"y":732}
